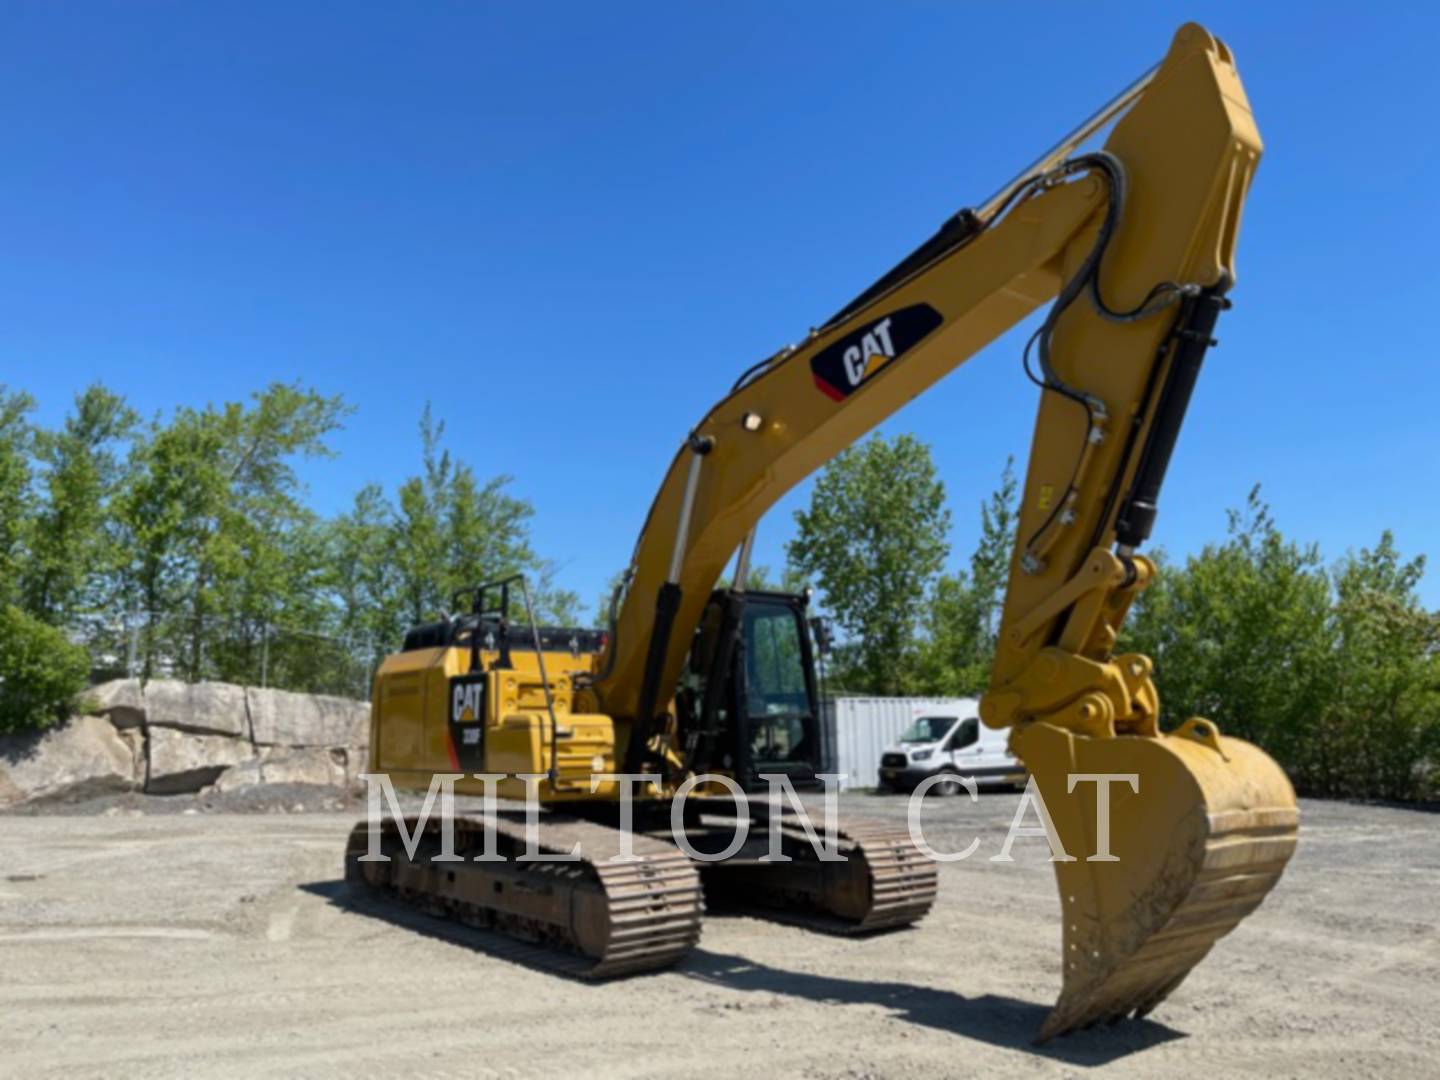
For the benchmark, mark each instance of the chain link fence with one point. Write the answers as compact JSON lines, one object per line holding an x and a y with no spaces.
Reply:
{"x":224,"y":648}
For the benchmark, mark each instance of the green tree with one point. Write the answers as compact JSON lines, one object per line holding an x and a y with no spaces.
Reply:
{"x":221,"y":545}
{"x":1240,"y":634}
{"x":762,"y":579}
{"x":454,"y":531}
{"x":394,"y":565}
{"x":873,"y":540}
{"x":263,"y":565}
{"x":16,"y":437}
{"x":1334,"y":673}
{"x":41,"y":672}
{"x":364,"y":571}
{"x":554,"y":605}
{"x":1380,"y":728}
{"x":963,"y":615}
{"x":73,"y":551}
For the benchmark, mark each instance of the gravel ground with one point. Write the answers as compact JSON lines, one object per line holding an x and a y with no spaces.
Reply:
{"x":220,"y":943}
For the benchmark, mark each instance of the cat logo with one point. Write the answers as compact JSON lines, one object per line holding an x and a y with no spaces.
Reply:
{"x":874,"y":349}
{"x":467,"y":702}
{"x":843,"y":366}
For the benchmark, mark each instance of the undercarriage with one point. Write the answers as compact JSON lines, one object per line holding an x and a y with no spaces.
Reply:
{"x":603,"y":915}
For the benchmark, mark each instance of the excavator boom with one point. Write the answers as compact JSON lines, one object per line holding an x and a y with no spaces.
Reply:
{"x":1184,"y":150}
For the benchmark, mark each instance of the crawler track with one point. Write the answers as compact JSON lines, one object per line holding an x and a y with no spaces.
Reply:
{"x":592,"y":918}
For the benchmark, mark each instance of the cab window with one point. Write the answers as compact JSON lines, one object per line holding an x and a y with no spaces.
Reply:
{"x":927,"y":729}
{"x":777,"y":698}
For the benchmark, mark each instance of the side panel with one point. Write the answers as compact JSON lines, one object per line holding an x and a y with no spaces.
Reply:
{"x":432,"y":715}
{"x":399,"y":714}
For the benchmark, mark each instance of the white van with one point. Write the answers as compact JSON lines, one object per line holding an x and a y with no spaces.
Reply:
{"x":954,"y":744}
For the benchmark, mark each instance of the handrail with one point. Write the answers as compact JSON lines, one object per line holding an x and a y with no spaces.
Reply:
{"x":479,"y":592}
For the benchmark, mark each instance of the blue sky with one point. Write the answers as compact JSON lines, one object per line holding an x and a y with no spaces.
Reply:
{"x":570,"y":227}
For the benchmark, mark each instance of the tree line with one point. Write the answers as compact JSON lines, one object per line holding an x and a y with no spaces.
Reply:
{"x":1333,"y":668}
{"x":184,"y":544}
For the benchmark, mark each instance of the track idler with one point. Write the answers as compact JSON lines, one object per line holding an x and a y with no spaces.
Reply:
{"x":1193,"y":851}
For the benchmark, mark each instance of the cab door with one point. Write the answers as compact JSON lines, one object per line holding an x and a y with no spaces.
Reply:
{"x":963,"y":746}
{"x":775,"y":683}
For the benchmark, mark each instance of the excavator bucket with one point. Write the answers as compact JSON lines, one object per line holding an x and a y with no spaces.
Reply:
{"x":1200,"y":829}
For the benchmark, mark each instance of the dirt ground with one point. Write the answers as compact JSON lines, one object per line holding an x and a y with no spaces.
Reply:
{"x":223,"y":944}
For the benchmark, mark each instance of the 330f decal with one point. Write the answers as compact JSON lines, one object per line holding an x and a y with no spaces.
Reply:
{"x":844,"y":366}
{"x":466,"y":722}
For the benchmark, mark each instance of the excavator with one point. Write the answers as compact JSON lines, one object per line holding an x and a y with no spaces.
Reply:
{"x":695,"y":681}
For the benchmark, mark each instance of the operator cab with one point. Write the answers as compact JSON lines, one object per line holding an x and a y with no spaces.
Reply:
{"x":747,"y":700}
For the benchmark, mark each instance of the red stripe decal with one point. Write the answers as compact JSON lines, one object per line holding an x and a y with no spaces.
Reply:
{"x":828,"y":390}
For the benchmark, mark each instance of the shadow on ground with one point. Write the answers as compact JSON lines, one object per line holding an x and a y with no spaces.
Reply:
{"x":992,"y":1018}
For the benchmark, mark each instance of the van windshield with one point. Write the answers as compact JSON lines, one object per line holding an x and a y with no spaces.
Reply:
{"x":928,"y":729}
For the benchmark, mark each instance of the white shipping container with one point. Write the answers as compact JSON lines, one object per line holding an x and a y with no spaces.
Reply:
{"x":864,"y":726}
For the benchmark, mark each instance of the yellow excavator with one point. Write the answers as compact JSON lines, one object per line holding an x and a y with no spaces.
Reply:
{"x":1135,"y":245}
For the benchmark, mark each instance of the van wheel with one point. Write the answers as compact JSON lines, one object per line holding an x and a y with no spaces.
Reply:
{"x":947,"y":787}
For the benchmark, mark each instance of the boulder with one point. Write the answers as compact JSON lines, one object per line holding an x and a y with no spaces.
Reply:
{"x":122,"y":701}
{"x":282,"y":718}
{"x":81,"y":759}
{"x":287,"y":765}
{"x":246,"y":774}
{"x":303,"y":766}
{"x":182,"y":761}
{"x":210,"y":708}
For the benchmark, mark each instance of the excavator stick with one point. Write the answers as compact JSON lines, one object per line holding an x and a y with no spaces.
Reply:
{"x":1169,"y":839}
{"x":1200,"y":827}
